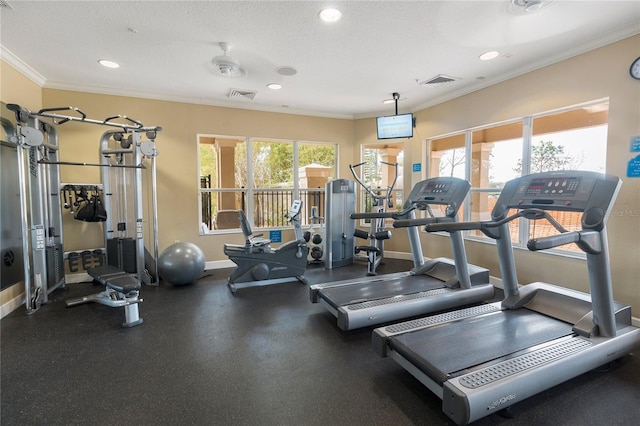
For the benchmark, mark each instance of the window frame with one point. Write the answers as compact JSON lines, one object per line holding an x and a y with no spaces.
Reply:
{"x":527,"y":138}
{"x":250,"y":191}
{"x":398,"y":192}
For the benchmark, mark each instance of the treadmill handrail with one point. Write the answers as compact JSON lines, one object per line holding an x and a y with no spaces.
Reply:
{"x":487,"y":225}
{"x":408,"y":223}
{"x":383,"y":215}
{"x":588,"y":241}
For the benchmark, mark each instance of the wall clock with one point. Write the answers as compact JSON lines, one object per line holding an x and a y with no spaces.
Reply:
{"x":634,"y":69}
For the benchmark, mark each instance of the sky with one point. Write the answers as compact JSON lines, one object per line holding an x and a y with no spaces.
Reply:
{"x":587,"y":145}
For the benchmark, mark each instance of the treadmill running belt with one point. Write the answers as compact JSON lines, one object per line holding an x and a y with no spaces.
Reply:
{"x":367,"y":291}
{"x":454,"y":346}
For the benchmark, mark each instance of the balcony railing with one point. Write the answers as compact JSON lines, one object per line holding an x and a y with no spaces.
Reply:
{"x":270,"y":206}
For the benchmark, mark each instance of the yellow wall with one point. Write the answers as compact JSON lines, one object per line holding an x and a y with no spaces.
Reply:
{"x":177,"y":171}
{"x":598,"y":74}
{"x":594,"y":75}
{"x":17,"y":89}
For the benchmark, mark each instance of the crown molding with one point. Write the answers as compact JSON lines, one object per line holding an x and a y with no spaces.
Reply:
{"x":7,"y":56}
{"x":105,"y":90}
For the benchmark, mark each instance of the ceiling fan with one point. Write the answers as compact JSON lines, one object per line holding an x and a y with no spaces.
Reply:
{"x":225,"y":65}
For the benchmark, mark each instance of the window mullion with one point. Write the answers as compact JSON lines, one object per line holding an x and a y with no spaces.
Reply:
{"x":468,"y":139}
{"x":296,"y":172}
{"x":527,"y":132}
{"x":249,"y":190}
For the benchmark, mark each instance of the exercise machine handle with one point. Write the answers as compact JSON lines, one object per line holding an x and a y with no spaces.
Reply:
{"x":455,"y":226}
{"x":383,"y":215}
{"x":352,"y":167}
{"x":61,"y":119}
{"x":374,"y":215}
{"x":409,"y":223}
{"x":588,"y":241}
{"x":544,"y":243}
{"x":124,"y":117}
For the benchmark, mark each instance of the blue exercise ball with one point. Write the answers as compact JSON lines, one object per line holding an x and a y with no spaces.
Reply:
{"x":181,"y":263}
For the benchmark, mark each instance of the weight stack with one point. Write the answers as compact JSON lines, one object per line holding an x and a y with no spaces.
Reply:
{"x":55,"y":265}
{"x":121,"y":253}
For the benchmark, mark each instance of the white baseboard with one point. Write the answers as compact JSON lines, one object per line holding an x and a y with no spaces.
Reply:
{"x":11,"y":305}
{"x":218,"y":264}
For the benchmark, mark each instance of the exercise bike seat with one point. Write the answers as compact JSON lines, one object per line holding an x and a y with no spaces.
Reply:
{"x":250,"y":239}
{"x":252,"y":244}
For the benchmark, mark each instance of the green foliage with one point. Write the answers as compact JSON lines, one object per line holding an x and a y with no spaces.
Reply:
{"x":316,"y":154}
{"x":546,"y":156}
{"x":272,"y":164}
{"x":209,"y":162}
{"x":272,"y":168}
{"x":371,"y":173}
{"x":240,"y":165}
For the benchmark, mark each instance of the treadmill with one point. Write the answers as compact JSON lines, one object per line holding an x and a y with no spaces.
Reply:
{"x":484,"y":359}
{"x":431,"y":286}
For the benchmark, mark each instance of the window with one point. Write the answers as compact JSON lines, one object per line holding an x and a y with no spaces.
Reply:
{"x":575,"y":138}
{"x":379,"y":176}
{"x":261,"y":177}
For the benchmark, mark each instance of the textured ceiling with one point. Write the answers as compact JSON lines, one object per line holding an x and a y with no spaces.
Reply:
{"x":345,"y":69}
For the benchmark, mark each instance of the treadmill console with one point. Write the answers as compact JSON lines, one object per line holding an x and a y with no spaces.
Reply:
{"x":448,"y":191}
{"x":573,"y":191}
{"x":565,"y":186}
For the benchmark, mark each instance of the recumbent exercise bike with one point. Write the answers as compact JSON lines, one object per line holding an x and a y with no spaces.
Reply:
{"x":260,"y":264}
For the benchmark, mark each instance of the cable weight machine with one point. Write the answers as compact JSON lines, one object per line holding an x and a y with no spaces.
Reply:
{"x":123,"y":156}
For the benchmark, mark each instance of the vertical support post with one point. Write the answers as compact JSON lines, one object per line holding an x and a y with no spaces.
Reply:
{"x":507,"y":262}
{"x":24,"y":225}
{"x":38,"y":225}
{"x":460,"y":259}
{"x":601,"y":289}
{"x":138,"y":205}
{"x":414,"y":244}
{"x":154,"y":202}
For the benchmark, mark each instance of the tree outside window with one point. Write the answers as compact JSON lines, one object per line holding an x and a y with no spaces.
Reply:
{"x":571,"y":139}
{"x":263,"y":185}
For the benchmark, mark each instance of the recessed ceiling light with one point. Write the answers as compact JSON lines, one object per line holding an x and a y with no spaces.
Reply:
{"x":330,"y":15}
{"x":274,"y":86}
{"x":489,"y":55}
{"x":108,"y":64}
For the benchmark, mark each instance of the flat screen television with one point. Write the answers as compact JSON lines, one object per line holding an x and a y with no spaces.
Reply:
{"x":395,"y":126}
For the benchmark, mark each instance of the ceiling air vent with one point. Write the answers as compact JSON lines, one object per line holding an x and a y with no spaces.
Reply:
{"x":5,"y":4}
{"x":438,"y":79}
{"x":242,"y":94}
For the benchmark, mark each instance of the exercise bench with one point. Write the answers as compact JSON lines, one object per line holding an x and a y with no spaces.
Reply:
{"x":121,"y":290}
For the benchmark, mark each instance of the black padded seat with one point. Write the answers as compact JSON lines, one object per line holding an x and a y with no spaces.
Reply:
{"x":368,"y":249}
{"x":114,"y":278}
